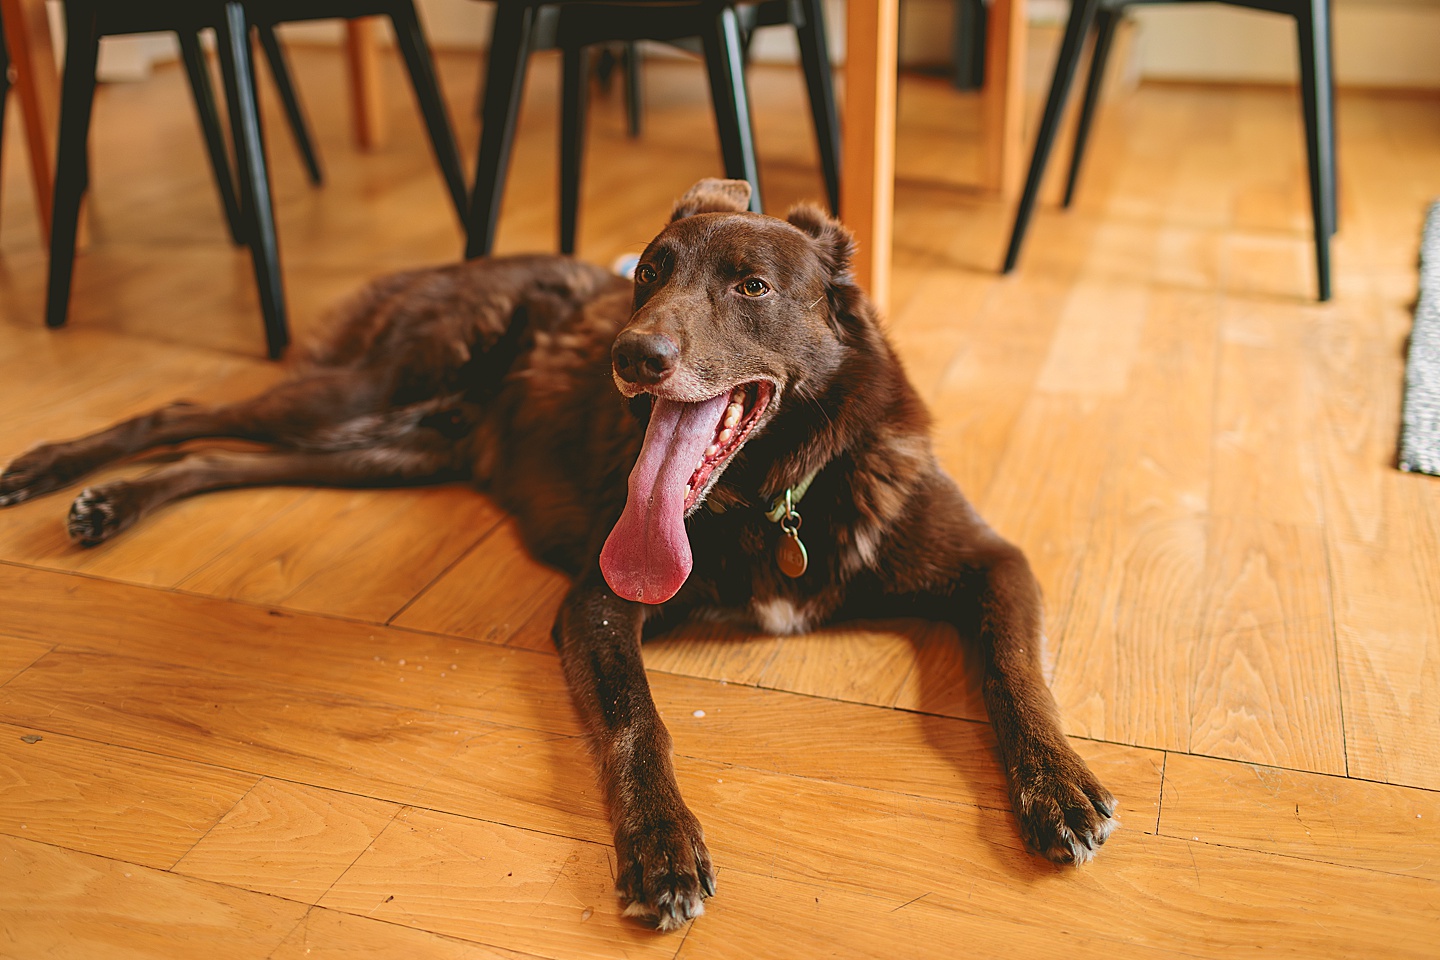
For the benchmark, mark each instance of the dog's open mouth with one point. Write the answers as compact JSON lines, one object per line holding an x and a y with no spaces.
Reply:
{"x":746,"y":403}
{"x":687,"y":446}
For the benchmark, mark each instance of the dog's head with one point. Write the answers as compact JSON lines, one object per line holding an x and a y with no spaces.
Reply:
{"x":736,"y":314}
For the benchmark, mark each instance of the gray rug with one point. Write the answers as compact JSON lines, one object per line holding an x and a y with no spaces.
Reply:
{"x":1420,"y":416}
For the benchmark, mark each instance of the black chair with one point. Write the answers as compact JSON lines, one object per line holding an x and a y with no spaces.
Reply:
{"x":249,"y":210}
{"x":522,"y":26}
{"x":1312,"y":20}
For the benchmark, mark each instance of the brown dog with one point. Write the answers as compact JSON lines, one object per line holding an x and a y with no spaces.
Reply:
{"x":759,"y":384}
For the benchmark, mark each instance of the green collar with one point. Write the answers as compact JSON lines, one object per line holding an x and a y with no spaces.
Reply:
{"x":784,"y":503}
{"x":778,"y":509}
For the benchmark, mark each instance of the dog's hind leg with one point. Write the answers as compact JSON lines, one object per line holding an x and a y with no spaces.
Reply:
{"x":100,"y":512}
{"x":663,"y":869}
{"x":286,"y":415}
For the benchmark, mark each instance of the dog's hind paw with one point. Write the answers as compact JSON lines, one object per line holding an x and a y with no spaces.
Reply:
{"x":665,"y":873}
{"x":1065,"y":814}
{"x":97,"y":514}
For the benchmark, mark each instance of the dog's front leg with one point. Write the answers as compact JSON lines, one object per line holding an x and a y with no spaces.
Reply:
{"x":1064,"y":811}
{"x":663,"y":869}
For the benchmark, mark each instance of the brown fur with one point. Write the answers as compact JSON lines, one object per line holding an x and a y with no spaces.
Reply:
{"x":500,"y":371}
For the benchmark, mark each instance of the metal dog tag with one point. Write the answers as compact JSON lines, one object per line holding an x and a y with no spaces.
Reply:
{"x":790,"y":553}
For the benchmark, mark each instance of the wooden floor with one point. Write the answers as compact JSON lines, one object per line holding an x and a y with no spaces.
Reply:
{"x":313,"y":723}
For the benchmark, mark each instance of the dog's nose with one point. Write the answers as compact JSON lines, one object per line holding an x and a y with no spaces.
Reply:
{"x":644,"y":358}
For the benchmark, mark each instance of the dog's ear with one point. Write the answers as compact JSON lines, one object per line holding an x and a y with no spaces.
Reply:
{"x":837,"y":247}
{"x":713,"y":195}
{"x":850,"y":309}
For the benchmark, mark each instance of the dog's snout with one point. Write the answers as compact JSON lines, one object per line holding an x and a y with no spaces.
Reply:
{"x":644,"y":358}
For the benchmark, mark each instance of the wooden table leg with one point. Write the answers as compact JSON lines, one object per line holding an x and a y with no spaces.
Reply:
{"x":1004,"y":97}
{"x":867,"y":190}
{"x":37,"y":86}
{"x":362,"y":51}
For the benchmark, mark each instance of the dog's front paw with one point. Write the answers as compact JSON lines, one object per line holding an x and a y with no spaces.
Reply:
{"x":665,"y":873}
{"x":99,"y":513}
{"x":29,"y":475}
{"x":1064,"y":812}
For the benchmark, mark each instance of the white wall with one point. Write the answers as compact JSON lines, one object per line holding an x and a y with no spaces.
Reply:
{"x":1385,"y":43}
{"x":1378,"y":43}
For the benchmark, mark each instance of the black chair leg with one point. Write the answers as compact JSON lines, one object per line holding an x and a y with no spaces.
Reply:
{"x":504,"y":85}
{"x":1106,"y":22}
{"x":724,"y":60}
{"x":815,"y":55}
{"x":72,"y":174}
{"x":575,"y":90}
{"x":232,"y":36}
{"x":1317,"y":94}
{"x":634,"y":95}
{"x":1082,"y":14}
{"x":411,"y":40}
{"x":203,"y":92}
{"x":290,"y":98}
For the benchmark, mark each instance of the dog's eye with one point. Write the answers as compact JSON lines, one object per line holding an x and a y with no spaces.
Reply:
{"x":754,"y":287}
{"x":644,"y":273}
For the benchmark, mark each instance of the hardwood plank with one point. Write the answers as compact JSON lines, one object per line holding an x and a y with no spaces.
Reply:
{"x":1266,"y":463}
{"x":762,"y":916}
{"x":96,"y":798}
{"x":334,"y":935}
{"x":716,"y":651}
{"x":1383,"y":549}
{"x":1330,"y":819}
{"x":257,"y":645}
{"x":489,"y":594}
{"x":1097,"y":341}
{"x":287,"y":839}
{"x":496,"y":885}
{"x":1387,"y":615}
{"x":16,"y":655}
{"x":58,"y":902}
{"x":1124,"y":670}
{"x":188,"y":714}
{"x":544,"y":782}
{"x":862,"y":663}
{"x":1265,"y":674}
{"x":293,"y":564}
{"x":406,"y":550}
{"x":989,"y":373}
{"x":955,"y":855}
{"x":1047,"y":512}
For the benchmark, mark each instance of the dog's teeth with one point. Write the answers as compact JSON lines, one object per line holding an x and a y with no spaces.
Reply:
{"x":738,"y":395}
{"x":732,"y":415}
{"x":724,"y":435}
{"x":713,"y":449}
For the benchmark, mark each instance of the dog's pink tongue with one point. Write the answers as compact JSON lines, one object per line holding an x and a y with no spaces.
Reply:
{"x":647,"y":556}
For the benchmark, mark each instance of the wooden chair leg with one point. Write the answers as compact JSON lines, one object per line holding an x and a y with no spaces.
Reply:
{"x":1317,"y":96}
{"x":72,"y":171}
{"x":504,"y":85}
{"x":290,"y":99}
{"x":815,"y":56}
{"x":4,"y":91}
{"x":575,"y":97}
{"x":238,"y":69}
{"x":1082,"y":15}
{"x":725,"y":62}
{"x":1107,"y":20}
{"x":411,"y":39}
{"x":203,"y":93}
